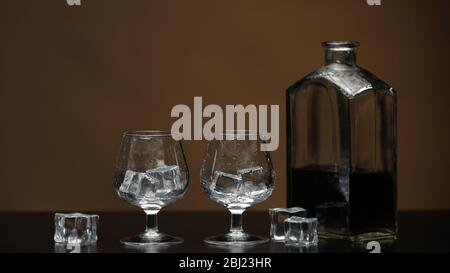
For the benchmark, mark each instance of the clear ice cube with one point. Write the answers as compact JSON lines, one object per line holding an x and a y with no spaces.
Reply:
{"x":253,"y":180}
{"x":250,"y":170}
{"x":255,"y":188}
{"x":252,"y":174}
{"x":277,"y":218}
{"x":301,"y":231}
{"x":164,"y":179}
{"x":132,"y":182}
{"x":75,"y":228}
{"x":226,"y":183}
{"x":158,"y":181}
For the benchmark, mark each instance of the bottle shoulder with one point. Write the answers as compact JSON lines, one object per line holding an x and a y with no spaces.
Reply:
{"x":349,"y":80}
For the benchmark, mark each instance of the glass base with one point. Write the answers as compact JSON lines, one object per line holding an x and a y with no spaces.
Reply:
{"x":236,"y":239}
{"x":151,"y":238}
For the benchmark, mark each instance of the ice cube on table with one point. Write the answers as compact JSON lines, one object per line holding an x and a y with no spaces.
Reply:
{"x":164,"y":178}
{"x":301,"y":231}
{"x":227,"y":183}
{"x":277,"y":218}
{"x":133,"y":183}
{"x":75,"y":228}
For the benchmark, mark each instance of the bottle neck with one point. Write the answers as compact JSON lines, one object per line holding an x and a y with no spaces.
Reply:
{"x":340,"y":52}
{"x":347,"y":57}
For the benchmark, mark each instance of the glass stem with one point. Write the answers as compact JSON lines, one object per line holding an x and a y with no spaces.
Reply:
{"x":152,"y":221}
{"x":236,"y":220}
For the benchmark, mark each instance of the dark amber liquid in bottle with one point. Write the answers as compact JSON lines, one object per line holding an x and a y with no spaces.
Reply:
{"x":367,"y":210}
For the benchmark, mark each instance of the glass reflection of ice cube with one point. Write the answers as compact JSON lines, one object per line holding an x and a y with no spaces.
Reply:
{"x":237,"y":174}
{"x":150,"y":173}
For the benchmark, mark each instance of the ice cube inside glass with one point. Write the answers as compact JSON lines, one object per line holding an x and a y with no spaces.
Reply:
{"x":166,"y":178}
{"x":225,"y":183}
{"x":277,"y":218}
{"x":75,"y":228}
{"x":301,"y":231}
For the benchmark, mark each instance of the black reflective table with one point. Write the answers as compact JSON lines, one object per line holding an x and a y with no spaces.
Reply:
{"x":426,"y":231}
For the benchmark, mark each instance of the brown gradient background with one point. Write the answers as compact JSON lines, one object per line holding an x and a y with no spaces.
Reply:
{"x":72,"y":79}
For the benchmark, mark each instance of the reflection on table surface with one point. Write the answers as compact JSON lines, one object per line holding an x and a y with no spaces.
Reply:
{"x":193,"y":227}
